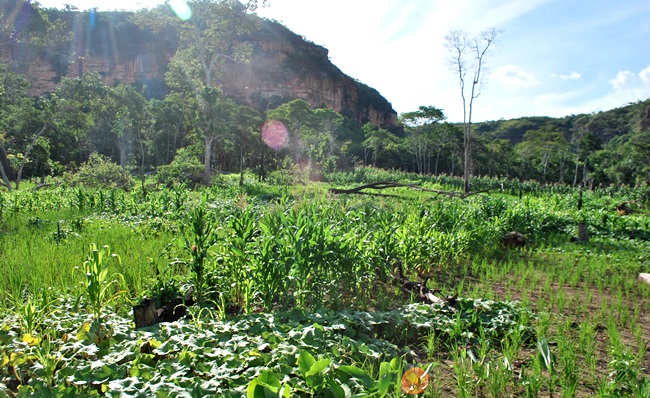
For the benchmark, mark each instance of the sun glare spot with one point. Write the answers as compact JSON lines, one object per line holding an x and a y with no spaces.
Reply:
{"x":275,"y":135}
{"x":181,"y":9}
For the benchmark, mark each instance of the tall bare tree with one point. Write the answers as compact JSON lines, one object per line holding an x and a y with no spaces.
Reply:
{"x":467,"y":59}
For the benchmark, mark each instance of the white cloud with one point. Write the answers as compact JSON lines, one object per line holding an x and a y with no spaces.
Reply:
{"x":571,"y":76}
{"x":511,"y":76}
{"x":629,"y":86}
{"x":624,"y":80}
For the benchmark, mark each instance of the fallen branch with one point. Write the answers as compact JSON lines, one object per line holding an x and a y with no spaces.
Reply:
{"x":40,"y":186}
{"x":391,"y":184}
{"x":375,"y":185}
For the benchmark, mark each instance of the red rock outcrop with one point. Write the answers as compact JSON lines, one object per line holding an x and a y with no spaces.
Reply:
{"x":283,"y":67}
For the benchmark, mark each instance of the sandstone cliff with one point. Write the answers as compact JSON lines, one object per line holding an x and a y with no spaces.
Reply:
{"x":284,"y":66}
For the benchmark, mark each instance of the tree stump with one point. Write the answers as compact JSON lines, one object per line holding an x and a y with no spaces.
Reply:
{"x":144,"y":314}
{"x":514,"y":239}
{"x":583,"y":234}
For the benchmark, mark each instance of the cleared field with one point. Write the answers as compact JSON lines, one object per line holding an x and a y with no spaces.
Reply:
{"x":297,"y":291}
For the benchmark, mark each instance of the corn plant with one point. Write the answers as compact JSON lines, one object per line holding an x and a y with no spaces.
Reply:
{"x":202,"y":228}
{"x":244,"y":230}
{"x":98,"y":283}
{"x":48,"y":362}
{"x":549,"y":362}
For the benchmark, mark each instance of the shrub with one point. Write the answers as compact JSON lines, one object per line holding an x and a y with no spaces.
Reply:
{"x":184,"y":169}
{"x":100,"y":172}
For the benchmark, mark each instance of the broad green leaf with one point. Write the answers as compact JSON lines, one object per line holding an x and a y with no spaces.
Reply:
{"x":285,"y":391}
{"x":318,"y":367}
{"x":357,"y":373}
{"x":266,"y":385}
{"x":269,"y":380}
{"x":17,"y":358}
{"x":383,"y":384}
{"x":84,"y":331}
{"x":336,"y":389}
{"x":305,"y":362}
{"x":254,"y":390}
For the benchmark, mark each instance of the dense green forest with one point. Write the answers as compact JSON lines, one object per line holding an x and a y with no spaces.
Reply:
{"x":196,"y":132}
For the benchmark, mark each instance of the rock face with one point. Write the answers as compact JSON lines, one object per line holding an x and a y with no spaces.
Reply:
{"x":283,"y":67}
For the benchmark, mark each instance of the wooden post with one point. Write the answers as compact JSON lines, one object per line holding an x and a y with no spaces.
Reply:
{"x":144,"y":314}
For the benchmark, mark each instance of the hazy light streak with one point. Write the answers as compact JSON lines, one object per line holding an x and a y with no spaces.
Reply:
{"x":181,"y":9}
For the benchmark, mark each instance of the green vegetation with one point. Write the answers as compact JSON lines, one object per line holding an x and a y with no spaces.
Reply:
{"x":174,"y":125}
{"x":297,"y":291}
{"x":286,"y":289}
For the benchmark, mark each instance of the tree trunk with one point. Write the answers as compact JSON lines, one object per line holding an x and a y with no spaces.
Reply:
{"x":241,"y":167}
{"x":121,"y":147}
{"x":5,"y":179}
{"x":207,"y":170}
{"x":435,"y":170}
{"x":468,"y":154}
{"x":144,"y":314}
{"x":262,"y":165}
{"x":575,"y":175}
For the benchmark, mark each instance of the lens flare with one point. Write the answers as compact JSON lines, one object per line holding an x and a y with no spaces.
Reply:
{"x":181,"y":9}
{"x":415,"y":381}
{"x":275,"y":135}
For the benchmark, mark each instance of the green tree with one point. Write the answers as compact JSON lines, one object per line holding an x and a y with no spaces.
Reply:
{"x":80,"y":108}
{"x":544,"y":144}
{"x":170,"y":129}
{"x":23,"y":121}
{"x":212,"y":33}
{"x":26,"y":28}
{"x":247,"y":135}
{"x":130,"y":120}
{"x":313,"y":133}
{"x":214,"y":116}
{"x":421,"y":135}
{"x":99,"y":171}
{"x":377,"y":141}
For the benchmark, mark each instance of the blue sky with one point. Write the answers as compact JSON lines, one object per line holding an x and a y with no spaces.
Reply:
{"x":554,"y":57}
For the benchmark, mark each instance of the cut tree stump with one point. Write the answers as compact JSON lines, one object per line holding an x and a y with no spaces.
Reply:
{"x":144,"y":314}
{"x":514,"y":239}
{"x":583,"y":234}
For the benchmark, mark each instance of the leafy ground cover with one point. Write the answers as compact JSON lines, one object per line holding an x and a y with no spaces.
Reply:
{"x":296,"y":292}
{"x":301,"y":352}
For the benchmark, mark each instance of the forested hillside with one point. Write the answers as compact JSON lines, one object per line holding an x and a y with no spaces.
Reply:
{"x":192,"y":117}
{"x":606,"y":147}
